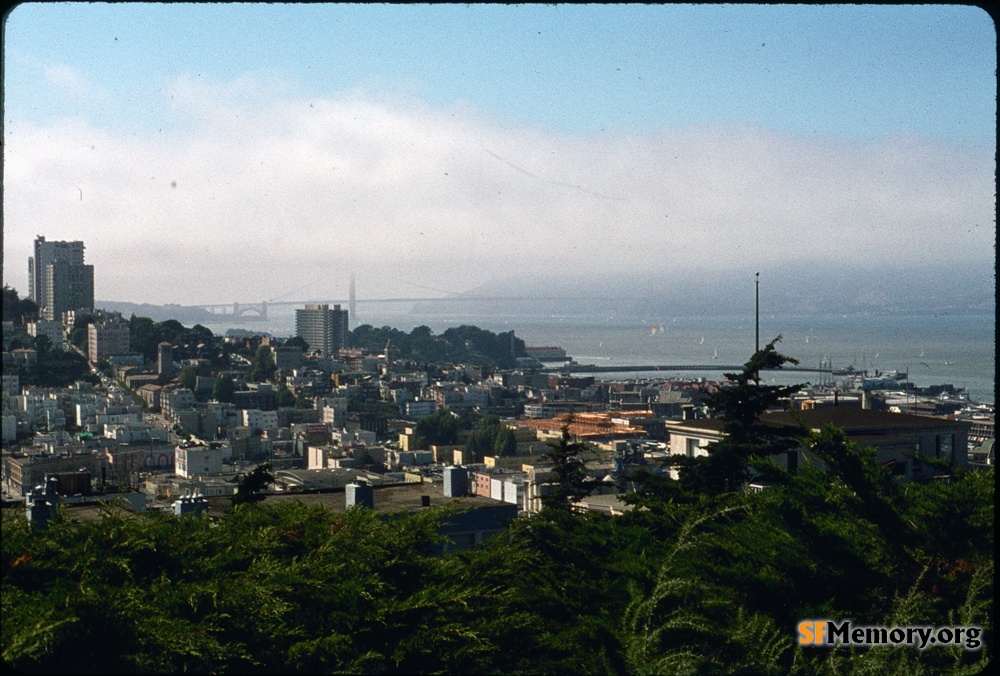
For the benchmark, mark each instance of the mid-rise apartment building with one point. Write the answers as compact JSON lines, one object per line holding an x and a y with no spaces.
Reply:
{"x":106,"y":338}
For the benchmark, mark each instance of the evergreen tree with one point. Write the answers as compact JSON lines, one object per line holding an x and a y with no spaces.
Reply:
{"x":263,"y":367}
{"x":224,"y":388}
{"x":570,"y":472}
{"x":188,"y":378}
{"x":17,"y":309}
{"x":252,"y":486}
{"x":438,"y":428}
{"x":748,"y":443}
{"x":491,"y":437}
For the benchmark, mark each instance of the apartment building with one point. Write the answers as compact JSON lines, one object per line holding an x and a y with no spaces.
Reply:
{"x":323,"y":329}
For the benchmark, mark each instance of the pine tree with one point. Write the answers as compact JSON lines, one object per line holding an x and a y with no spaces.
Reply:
{"x":747,"y":440}
{"x":570,"y":472}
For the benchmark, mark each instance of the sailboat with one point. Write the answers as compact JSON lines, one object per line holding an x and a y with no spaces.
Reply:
{"x":715,"y":354}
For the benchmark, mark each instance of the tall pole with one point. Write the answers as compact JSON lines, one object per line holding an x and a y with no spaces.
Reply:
{"x":352,"y":305}
{"x":756,"y":375}
{"x":757,"y":316}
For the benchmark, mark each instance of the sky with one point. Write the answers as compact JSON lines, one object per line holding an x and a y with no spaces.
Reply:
{"x":211,"y":153}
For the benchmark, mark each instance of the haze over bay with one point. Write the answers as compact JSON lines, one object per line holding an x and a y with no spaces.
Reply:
{"x":212,"y":153}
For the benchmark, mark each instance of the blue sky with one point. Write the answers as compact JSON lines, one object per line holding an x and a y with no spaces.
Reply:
{"x":443,"y":134}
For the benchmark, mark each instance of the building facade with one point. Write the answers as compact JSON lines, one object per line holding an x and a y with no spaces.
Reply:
{"x":324,"y":329}
{"x":107,"y":338}
{"x":164,"y":359}
{"x":45,"y":254}
{"x":900,"y":440}
{"x":58,"y":279}
{"x":191,"y":461}
{"x":51,"y":330}
{"x":67,"y":287}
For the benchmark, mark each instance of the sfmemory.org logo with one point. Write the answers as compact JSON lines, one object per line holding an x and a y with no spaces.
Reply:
{"x":828,"y":634}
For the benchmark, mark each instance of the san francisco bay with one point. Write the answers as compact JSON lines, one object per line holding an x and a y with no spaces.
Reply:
{"x":931,"y":349}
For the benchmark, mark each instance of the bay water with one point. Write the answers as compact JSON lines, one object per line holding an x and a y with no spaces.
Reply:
{"x":932,"y":349}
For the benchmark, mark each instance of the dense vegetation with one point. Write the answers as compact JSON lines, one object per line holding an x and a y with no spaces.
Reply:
{"x":196,"y":342}
{"x":53,"y":367}
{"x":457,"y":345}
{"x":16,"y":308}
{"x":715,"y":586}
{"x":701,"y":579}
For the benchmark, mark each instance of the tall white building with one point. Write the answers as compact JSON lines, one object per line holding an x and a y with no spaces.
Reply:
{"x":58,"y":279}
{"x":324,"y":329}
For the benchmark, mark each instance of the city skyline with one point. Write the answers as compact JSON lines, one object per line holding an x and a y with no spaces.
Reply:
{"x":247,"y":152}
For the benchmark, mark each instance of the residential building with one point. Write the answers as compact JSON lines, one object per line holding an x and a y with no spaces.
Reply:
{"x":899,"y":439}
{"x":419,"y":409}
{"x":176,"y":400}
{"x":51,"y":330}
{"x":258,"y":420}
{"x":323,"y":329}
{"x":67,"y":287}
{"x":21,"y":473}
{"x":286,"y":358}
{"x":47,"y":253}
{"x":106,"y":338}
{"x":194,"y":460}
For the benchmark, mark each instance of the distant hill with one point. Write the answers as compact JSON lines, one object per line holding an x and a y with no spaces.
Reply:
{"x":159,"y":313}
{"x":795,"y":289}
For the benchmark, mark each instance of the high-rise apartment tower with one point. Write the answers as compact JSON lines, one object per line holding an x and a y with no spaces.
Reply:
{"x":58,"y":280}
{"x":324,"y":329}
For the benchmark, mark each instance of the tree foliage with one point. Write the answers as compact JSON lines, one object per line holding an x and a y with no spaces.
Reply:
{"x":458,"y":345}
{"x":438,"y":429}
{"x":704,"y":579}
{"x":224,"y":388}
{"x":253,"y":485}
{"x":297,"y":341}
{"x":54,"y":368}
{"x":491,"y":437}
{"x":570,"y":471}
{"x":194,"y":343}
{"x":703,"y":588}
{"x":747,"y":442}
{"x":262,"y":368}
{"x":16,"y":309}
{"x":188,"y":378}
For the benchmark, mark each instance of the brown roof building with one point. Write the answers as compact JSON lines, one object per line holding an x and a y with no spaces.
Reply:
{"x":898,"y":438}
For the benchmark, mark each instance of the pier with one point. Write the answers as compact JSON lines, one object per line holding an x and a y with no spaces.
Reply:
{"x":591,"y":368}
